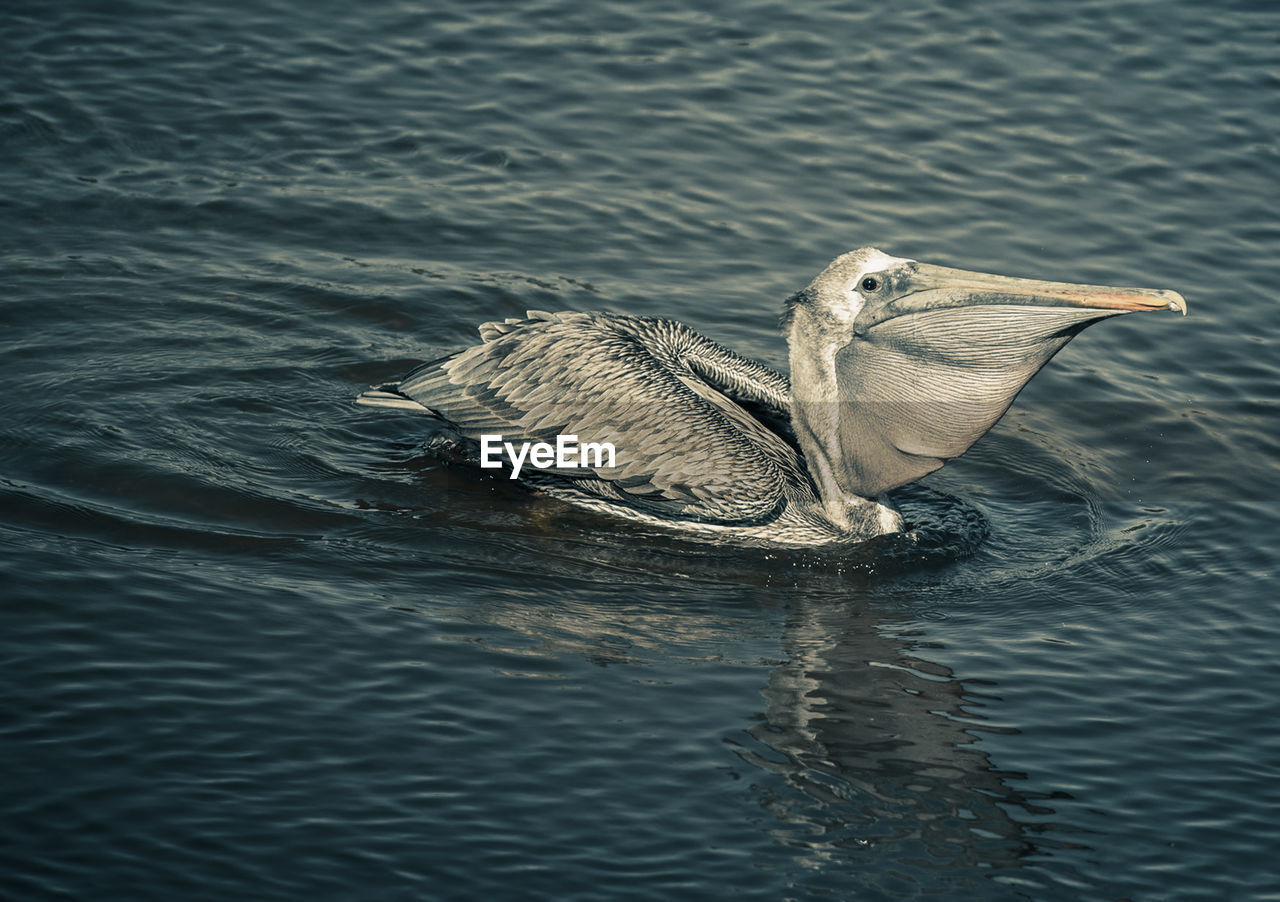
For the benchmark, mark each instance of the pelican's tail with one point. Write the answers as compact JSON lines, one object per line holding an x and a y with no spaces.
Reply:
{"x":387,"y":396}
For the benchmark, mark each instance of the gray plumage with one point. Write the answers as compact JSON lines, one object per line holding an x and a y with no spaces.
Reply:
{"x":712,"y":441}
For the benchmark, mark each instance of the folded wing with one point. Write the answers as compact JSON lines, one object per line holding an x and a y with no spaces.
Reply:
{"x":677,"y":407}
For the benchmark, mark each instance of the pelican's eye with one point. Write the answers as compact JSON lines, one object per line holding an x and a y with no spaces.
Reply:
{"x":870,"y":283}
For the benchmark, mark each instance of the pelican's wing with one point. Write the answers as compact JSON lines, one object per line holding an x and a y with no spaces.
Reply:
{"x":660,"y":393}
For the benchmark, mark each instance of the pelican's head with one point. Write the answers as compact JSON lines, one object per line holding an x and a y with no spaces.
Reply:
{"x":898,"y":365}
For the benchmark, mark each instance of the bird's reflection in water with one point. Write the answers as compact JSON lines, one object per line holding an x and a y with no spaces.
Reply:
{"x":874,"y":753}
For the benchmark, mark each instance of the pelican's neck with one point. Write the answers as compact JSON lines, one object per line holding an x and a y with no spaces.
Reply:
{"x":815,"y":417}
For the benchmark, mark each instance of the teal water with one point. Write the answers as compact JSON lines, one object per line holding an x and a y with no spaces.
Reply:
{"x":261,"y":643}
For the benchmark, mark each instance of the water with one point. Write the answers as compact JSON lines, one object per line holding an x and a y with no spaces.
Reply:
{"x":259,"y":643}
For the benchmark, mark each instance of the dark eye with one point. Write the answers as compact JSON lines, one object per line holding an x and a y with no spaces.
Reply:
{"x":870,"y":283}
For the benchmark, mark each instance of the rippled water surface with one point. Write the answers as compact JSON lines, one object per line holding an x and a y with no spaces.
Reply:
{"x":260,"y":643}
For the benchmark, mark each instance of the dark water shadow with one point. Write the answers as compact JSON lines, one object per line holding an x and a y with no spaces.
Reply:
{"x":872,"y":756}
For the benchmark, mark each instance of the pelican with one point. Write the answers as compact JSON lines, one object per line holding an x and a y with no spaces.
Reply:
{"x":896,"y":367}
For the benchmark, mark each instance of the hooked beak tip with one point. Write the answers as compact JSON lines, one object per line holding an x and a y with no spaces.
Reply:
{"x":1177,"y":302}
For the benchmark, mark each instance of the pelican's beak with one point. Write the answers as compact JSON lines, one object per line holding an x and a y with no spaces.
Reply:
{"x":924,"y":286}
